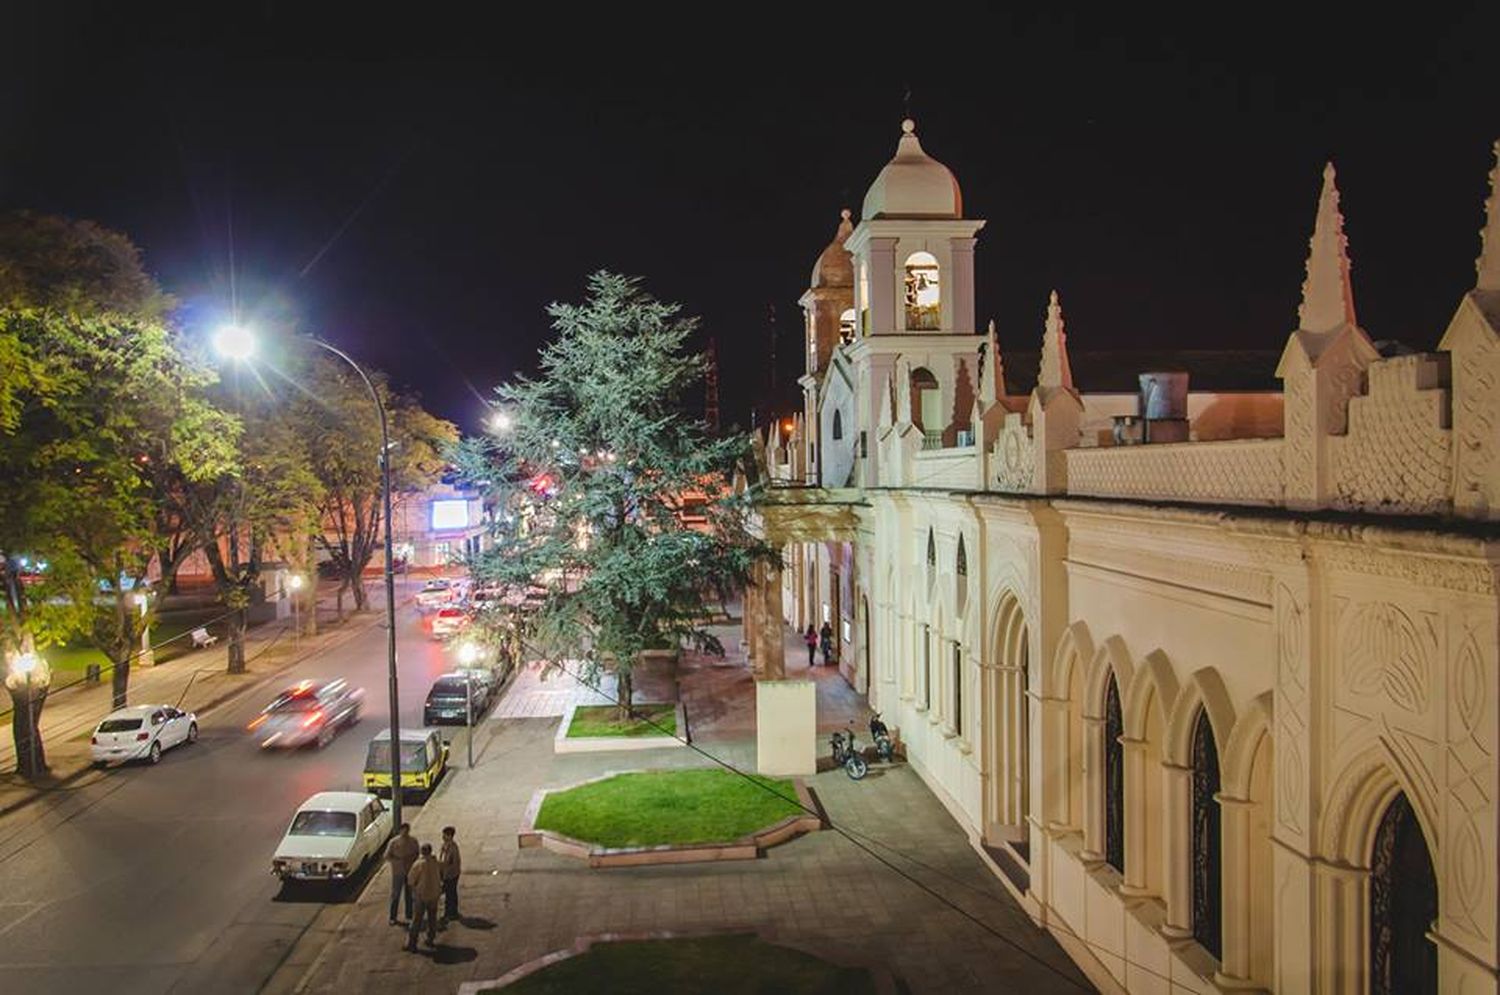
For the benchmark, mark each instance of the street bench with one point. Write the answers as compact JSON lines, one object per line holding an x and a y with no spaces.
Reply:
{"x":202,"y":638}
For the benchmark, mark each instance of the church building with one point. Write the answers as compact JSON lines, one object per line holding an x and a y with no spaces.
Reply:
{"x":1209,"y":677}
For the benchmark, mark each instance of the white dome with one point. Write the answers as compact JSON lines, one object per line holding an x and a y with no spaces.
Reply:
{"x":913,"y":184}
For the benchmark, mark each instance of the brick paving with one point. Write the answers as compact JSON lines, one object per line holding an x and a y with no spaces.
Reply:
{"x":822,"y":892}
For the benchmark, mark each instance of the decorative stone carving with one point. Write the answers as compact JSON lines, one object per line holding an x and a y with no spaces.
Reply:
{"x":1237,"y":472}
{"x":1385,"y":653}
{"x":1396,"y":456}
{"x":1015,"y":458}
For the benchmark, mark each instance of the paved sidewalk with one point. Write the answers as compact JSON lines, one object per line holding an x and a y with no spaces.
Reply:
{"x":194,"y":682}
{"x":824,"y":892}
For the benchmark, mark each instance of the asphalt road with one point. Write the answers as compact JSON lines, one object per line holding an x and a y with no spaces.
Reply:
{"x":156,"y":879}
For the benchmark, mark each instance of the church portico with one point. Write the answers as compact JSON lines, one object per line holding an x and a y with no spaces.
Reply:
{"x":1211,"y":689}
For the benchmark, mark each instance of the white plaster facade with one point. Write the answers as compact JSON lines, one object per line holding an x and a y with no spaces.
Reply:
{"x":1319,"y":597}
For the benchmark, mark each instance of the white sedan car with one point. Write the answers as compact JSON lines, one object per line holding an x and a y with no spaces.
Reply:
{"x":332,"y":836}
{"x":141,"y":732}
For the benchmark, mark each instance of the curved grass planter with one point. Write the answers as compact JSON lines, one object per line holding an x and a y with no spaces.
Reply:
{"x":666,"y":817}
{"x":731,"y":963}
{"x":586,"y":729}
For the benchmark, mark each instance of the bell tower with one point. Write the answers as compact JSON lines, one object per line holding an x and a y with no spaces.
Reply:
{"x":913,"y":254}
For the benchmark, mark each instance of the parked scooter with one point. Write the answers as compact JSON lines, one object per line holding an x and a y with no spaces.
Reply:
{"x":846,"y":755}
{"x":884,"y":749}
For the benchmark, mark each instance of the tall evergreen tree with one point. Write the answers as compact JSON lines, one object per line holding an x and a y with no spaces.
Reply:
{"x":595,"y":472}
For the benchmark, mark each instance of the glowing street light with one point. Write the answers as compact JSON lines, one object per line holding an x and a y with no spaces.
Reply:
{"x":235,"y":342}
{"x":238,"y":343}
{"x":295,"y":582}
{"x":501,"y":421}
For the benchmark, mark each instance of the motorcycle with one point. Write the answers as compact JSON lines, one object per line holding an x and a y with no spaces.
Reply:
{"x":847,"y":755}
{"x":885,"y":749}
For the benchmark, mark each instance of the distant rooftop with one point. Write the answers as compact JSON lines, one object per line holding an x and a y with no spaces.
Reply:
{"x":1118,"y":371}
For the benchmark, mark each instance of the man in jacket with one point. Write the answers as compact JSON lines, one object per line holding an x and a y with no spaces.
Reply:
{"x":426,"y":881}
{"x":399,"y":856}
{"x":451,"y":864}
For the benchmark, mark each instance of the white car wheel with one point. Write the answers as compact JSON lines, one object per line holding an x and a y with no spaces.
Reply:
{"x":153,"y":755}
{"x":192,"y":736}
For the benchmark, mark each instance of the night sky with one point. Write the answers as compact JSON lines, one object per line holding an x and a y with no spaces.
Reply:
{"x":416,"y":184}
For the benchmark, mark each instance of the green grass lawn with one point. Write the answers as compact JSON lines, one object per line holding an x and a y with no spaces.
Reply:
{"x":725,"y":965}
{"x":668,"y":806}
{"x":604,"y":720}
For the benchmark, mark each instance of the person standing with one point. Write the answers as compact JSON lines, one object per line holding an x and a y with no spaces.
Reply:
{"x":426,"y":881}
{"x":451,"y":864}
{"x":810,"y":637}
{"x":826,"y":637}
{"x":400,"y":853}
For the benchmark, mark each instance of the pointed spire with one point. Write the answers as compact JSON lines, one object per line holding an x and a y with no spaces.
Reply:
{"x":1055,"y":371}
{"x":1487,"y":265}
{"x":991,"y":368}
{"x":1327,"y":296}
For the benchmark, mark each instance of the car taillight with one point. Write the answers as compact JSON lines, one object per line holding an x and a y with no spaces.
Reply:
{"x":315,"y":716}
{"x":94,"y":740}
{"x":142,"y":736}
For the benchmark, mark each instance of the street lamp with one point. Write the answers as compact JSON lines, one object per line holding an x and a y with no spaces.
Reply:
{"x":24,"y":665}
{"x":295,"y":583}
{"x":238,"y":343}
{"x":468,"y":655}
{"x":501,"y":422}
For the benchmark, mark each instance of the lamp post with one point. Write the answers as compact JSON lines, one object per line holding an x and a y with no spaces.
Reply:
{"x":238,"y":343}
{"x":468,"y":655}
{"x":295,"y":583}
{"x":24,"y":665}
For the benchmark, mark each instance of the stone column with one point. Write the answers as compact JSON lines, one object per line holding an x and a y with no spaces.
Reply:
{"x":1234,"y":970}
{"x":1137,"y":833}
{"x":1177,"y":851}
{"x":1340,"y":952}
{"x":771,"y":634}
{"x":1092,"y":793}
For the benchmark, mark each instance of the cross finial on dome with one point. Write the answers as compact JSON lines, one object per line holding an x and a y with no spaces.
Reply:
{"x":1327,"y":295}
{"x":908,"y":126}
{"x":844,"y":214}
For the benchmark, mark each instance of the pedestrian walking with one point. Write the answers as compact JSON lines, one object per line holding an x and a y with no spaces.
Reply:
{"x":825,"y":635}
{"x":451,"y":864}
{"x":400,"y":854}
{"x":810,"y":637}
{"x":426,"y":880}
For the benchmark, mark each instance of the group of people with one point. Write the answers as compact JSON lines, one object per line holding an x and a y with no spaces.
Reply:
{"x":423,"y":877}
{"x":819,"y":638}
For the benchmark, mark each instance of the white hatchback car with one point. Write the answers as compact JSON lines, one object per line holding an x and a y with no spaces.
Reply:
{"x":332,"y":836}
{"x":141,"y":732}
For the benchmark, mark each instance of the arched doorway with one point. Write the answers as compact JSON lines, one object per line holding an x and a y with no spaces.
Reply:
{"x":1114,"y":778}
{"x":1403,"y":906}
{"x":1206,"y":837}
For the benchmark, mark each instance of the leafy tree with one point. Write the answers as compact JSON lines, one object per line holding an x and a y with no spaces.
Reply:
{"x":253,"y":509}
{"x":342,"y":432}
{"x":91,"y":381}
{"x":596,"y":470}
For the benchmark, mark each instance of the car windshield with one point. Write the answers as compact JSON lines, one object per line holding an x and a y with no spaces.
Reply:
{"x":305,"y":702}
{"x":119,"y":725}
{"x":322,"y":824}
{"x":450,"y":686}
{"x":435,"y":585}
{"x":413,"y":756}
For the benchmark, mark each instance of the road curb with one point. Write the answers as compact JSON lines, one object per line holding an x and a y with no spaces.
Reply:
{"x":67,"y":779}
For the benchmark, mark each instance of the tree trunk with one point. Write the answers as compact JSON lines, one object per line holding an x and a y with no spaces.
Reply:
{"x":361,"y":596}
{"x":25,"y":726}
{"x":119,"y":681}
{"x":338,"y":602}
{"x":237,"y":625}
{"x":624,"y":688}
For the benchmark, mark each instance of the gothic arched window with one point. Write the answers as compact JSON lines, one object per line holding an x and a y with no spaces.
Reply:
{"x":1403,"y":905}
{"x":961,"y":570}
{"x":1114,"y":778}
{"x":846,"y":326}
{"x":838,"y":424}
{"x":958,"y":689}
{"x":923,"y":295}
{"x":1207,"y":855}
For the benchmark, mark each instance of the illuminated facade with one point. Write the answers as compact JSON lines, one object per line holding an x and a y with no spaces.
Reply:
{"x":1210,"y":677}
